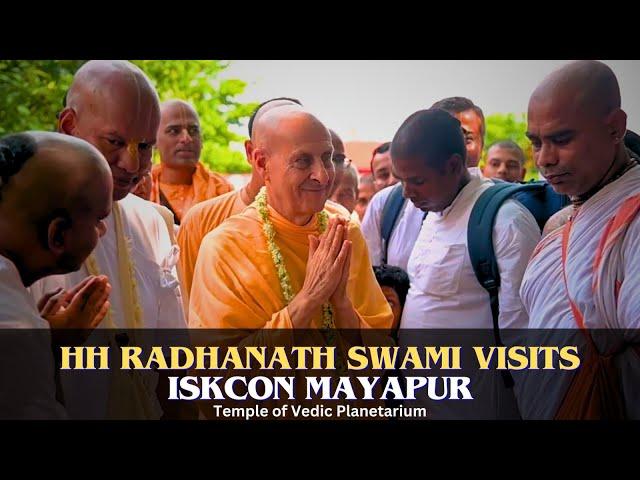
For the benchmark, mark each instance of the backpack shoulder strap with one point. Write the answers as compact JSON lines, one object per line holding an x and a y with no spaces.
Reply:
{"x":481,"y":252}
{"x":480,"y":233}
{"x":390,"y":213}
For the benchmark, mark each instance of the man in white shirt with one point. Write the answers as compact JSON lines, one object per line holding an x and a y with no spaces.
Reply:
{"x":45,"y":227}
{"x":428,"y":154}
{"x":407,"y":226}
{"x":113,"y":105}
{"x":403,"y":235}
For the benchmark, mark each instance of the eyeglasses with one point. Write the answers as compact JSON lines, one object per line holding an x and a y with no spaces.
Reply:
{"x":341,"y":160}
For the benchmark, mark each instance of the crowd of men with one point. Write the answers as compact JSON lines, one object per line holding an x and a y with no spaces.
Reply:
{"x":95,"y":236}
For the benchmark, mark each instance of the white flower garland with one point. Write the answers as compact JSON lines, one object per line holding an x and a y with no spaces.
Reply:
{"x":278,"y":260}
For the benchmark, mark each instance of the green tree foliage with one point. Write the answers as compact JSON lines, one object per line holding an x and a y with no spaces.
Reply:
{"x":509,"y":126}
{"x":32,"y":91}
{"x":196,"y":82}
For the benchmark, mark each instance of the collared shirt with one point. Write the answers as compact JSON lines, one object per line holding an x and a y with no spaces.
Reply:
{"x":403,"y":236}
{"x":405,"y":233}
{"x":445,"y":292}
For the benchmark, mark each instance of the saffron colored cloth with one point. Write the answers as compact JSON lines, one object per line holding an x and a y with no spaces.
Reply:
{"x":236,"y":284}
{"x":205,"y":184}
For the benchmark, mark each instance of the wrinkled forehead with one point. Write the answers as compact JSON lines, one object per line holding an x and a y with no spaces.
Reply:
{"x":131,"y":113}
{"x":301,"y":136}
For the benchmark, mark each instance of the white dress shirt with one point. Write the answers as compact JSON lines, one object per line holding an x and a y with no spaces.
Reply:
{"x":445,"y":292}
{"x":403,"y":236}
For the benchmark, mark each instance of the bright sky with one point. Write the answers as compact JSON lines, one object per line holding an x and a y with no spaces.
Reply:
{"x":368,"y":100}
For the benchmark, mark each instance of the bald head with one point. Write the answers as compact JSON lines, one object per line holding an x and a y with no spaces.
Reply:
{"x":179,"y":135}
{"x":114,"y":106}
{"x":345,"y":187}
{"x":590,"y":86}
{"x":29,"y":162}
{"x":54,"y":192}
{"x":98,"y":81}
{"x":267,"y":106}
{"x":576,"y":127}
{"x":366,"y":189}
{"x":176,"y":105}
{"x":288,"y":123}
{"x":338,"y":145}
{"x":293,"y":153}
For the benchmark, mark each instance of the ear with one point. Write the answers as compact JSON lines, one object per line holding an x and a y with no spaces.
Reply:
{"x":261,"y":163}
{"x":248,"y":149}
{"x":67,"y":122}
{"x":57,"y":235}
{"x":523,"y":173}
{"x":617,"y":123}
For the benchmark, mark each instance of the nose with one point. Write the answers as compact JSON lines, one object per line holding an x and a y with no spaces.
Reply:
{"x":320,"y":172}
{"x":546,"y":156}
{"x":407,"y":191}
{"x":129,"y":159}
{"x":184,"y":136}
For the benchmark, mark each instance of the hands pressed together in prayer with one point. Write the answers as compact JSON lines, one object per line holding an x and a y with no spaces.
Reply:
{"x":326,"y":278}
{"x":82,"y":308}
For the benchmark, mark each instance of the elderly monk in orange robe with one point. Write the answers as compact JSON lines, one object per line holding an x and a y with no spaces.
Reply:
{"x":323,"y":279}
{"x":237,"y":283}
{"x":180,"y":181}
{"x":206,"y":216}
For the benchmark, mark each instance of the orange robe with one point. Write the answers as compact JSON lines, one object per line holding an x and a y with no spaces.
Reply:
{"x":200,"y":220}
{"x":235,"y":284}
{"x":203,"y":218}
{"x":204,"y":185}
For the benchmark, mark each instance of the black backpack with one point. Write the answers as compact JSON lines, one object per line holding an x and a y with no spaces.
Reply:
{"x":390,"y":213}
{"x":539,"y":198}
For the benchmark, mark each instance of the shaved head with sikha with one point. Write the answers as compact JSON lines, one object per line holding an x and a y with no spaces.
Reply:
{"x":577,"y":127}
{"x":293,"y":153}
{"x":50,"y":227}
{"x":114,"y":106}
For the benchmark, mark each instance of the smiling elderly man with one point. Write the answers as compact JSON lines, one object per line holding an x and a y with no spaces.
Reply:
{"x":271,"y":266}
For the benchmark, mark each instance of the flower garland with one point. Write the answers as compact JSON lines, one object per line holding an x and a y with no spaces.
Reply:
{"x":278,"y":260}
